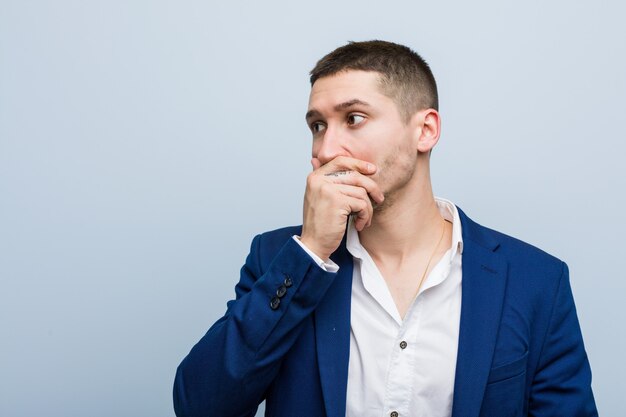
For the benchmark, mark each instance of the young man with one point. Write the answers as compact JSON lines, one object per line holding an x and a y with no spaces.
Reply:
{"x":387,"y":301}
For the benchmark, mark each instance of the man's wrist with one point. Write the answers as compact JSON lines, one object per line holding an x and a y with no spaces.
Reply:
{"x":328,"y":264}
{"x":313,"y":248}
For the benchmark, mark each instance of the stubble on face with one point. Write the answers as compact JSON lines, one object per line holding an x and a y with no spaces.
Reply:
{"x":394,"y":174}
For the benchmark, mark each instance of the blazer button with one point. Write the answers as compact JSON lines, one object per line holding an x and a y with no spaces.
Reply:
{"x":288,"y":281}
{"x":281,"y":291}
{"x":274,"y":303}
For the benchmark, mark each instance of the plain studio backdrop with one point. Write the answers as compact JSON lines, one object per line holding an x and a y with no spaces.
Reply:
{"x":144,"y":143}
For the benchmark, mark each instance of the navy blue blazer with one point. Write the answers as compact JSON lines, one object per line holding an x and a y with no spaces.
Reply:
{"x":286,"y":337}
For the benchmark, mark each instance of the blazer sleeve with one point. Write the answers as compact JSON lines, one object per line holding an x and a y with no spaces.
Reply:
{"x":562,"y":382}
{"x":229,"y":370}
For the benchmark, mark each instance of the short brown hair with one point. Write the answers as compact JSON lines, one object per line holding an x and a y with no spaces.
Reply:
{"x":404,"y":75}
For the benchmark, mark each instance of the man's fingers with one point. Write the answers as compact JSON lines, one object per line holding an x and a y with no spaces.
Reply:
{"x":351,"y":171}
{"x":356,"y":192}
{"x":355,"y":179}
{"x":362,"y":209}
{"x":361,"y":194}
{"x":356,"y":202}
{"x":345,"y":163}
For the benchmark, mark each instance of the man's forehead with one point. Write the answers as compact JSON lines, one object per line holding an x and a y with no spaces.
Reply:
{"x":355,"y":87}
{"x":347,"y":79}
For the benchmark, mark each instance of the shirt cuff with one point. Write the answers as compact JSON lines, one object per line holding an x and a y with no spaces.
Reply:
{"x":328,"y":266}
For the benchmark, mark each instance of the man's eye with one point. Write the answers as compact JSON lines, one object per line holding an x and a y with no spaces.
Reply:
{"x":355,"y":119}
{"x":317,"y":127}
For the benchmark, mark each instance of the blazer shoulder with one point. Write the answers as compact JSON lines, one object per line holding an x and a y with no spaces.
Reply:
{"x":516,"y":248}
{"x":533,"y":273}
{"x":277,"y":237}
{"x":518,"y":253}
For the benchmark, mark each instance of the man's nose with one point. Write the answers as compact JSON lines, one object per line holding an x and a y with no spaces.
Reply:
{"x":332,"y":145}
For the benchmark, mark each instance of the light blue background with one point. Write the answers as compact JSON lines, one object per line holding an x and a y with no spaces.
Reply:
{"x":144,"y":143}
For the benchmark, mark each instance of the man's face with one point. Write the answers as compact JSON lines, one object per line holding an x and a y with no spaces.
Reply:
{"x":349,"y":116}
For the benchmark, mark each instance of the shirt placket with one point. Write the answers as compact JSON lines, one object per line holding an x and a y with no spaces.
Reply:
{"x":400,"y":374}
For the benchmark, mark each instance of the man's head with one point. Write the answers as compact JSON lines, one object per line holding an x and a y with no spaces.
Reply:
{"x":376,"y":102}
{"x":403,"y":75}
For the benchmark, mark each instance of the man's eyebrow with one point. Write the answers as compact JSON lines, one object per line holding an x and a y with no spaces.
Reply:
{"x":339,"y":107}
{"x":311,"y":114}
{"x":350,"y":103}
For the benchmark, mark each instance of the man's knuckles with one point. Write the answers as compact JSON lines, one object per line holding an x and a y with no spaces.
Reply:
{"x":346,"y":162}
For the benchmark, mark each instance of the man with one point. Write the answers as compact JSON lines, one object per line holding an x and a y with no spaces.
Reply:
{"x":388,"y":301}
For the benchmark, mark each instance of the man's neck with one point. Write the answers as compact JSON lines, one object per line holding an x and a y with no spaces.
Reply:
{"x":407,"y":227}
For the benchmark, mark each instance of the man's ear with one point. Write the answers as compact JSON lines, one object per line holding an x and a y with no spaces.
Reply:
{"x":428,"y":129}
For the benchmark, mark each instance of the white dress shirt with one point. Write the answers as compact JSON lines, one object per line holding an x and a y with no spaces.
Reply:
{"x":403,"y":367}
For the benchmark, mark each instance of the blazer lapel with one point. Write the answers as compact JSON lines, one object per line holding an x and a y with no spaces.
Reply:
{"x":332,"y":332}
{"x":483,"y":286}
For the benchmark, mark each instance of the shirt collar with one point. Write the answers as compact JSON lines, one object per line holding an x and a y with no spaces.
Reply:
{"x":448,"y":211}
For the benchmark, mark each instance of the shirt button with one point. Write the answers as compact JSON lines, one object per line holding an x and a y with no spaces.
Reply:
{"x":274,"y":303}
{"x":403,"y":345}
{"x":394,"y":414}
{"x":281,"y":291}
